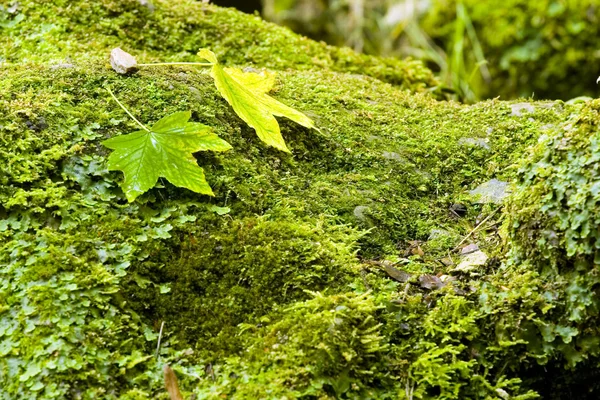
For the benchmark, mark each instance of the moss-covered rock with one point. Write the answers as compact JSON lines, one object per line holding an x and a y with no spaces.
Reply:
{"x":545,"y":296}
{"x":161,"y":30}
{"x":287,"y":294}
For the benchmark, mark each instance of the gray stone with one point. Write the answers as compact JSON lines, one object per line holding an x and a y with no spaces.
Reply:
{"x":472,"y":262}
{"x":359,"y":212}
{"x":493,"y":191}
{"x":122,"y":62}
{"x":472,"y":248}
{"x":438,"y":233}
{"x":62,"y":66}
{"x":518,"y":108}
{"x":195,"y":92}
{"x":483,"y":143}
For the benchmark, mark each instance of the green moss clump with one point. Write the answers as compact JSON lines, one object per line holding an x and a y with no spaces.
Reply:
{"x":328,"y":346}
{"x":543,"y":48}
{"x":553,"y":229}
{"x":555,"y":210}
{"x":166,"y":30}
{"x":545,"y":296}
{"x":244,"y":268}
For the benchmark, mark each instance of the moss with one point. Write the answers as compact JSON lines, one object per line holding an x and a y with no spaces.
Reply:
{"x":545,"y":294}
{"x":293,"y":223}
{"x":174,"y":31}
{"x":327,"y":346}
{"x":88,"y":279}
{"x":402,"y":174}
{"x":553,"y":228}
{"x":238,"y":271}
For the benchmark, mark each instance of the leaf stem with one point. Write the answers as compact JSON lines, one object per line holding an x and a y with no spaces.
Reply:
{"x":162,"y":325}
{"x":175,"y":63}
{"x":126,"y":110}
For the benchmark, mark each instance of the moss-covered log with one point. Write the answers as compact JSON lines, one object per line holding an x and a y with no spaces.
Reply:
{"x":290,"y":293}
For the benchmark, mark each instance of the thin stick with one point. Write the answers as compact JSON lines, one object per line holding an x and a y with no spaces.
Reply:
{"x":159,"y":338}
{"x":171,"y":383}
{"x":175,"y":63}
{"x":126,"y":110}
{"x":475,"y":229}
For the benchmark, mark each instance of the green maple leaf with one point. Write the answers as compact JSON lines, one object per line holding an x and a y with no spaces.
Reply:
{"x":247,"y":94}
{"x":164,"y":150}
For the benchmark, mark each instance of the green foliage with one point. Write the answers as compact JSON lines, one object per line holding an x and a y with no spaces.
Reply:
{"x":63,"y":332}
{"x":164,"y":150}
{"x":291,"y":227}
{"x":330,"y":346}
{"x":393,"y":28}
{"x":541,"y":48}
{"x":247,"y":93}
{"x":9,"y":16}
{"x":482,"y":49}
{"x":243,"y":267}
{"x":561,"y":224}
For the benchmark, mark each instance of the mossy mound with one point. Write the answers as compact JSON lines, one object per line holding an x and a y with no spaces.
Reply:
{"x":164,"y":30}
{"x":286,"y":294}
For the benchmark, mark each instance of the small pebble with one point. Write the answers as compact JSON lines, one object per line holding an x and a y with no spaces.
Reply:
{"x":517,"y":109}
{"x":493,"y":191}
{"x":122,"y":62}
{"x":472,"y":261}
{"x":472,"y":248}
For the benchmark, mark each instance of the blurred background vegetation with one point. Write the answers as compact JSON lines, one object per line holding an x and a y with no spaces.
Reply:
{"x":546,"y":49}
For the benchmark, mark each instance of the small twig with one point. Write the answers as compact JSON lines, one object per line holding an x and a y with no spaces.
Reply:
{"x":476,"y":228}
{"x":171,"y":383}
{"x":410,"y":389}
{"x":175,"y":63}
{"x":126,"y":110}
{"x":159,"y":338}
